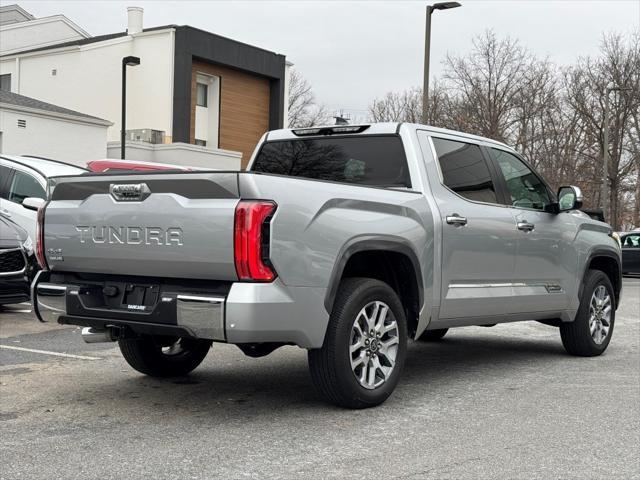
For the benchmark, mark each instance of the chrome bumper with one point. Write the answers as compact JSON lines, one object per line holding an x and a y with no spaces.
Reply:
{"x":201,"y":315}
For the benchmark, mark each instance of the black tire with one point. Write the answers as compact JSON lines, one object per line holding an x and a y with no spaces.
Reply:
{"x":330,"y":365}
{"x":145,"y":354}
{"x":433,"y":335}
{"x":576,"y":336}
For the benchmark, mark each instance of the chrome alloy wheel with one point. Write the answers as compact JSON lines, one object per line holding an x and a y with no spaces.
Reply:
{"x":600,"y":314}
{"x":374,"y":345}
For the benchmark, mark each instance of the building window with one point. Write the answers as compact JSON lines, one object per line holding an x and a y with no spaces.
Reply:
{"x":202,"y":143}
{"x":202,"y":94}
{"x":5,"y":82}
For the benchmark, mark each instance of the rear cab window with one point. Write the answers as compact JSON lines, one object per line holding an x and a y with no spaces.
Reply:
{"x":371,"y":160}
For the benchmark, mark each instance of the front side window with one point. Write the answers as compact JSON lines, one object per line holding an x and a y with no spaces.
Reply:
{"x":464,"y":170}
{"x":24,"y":185}
{"x":524,"y":187}
{"x":202,"y":94}
{"x":366,"y":160}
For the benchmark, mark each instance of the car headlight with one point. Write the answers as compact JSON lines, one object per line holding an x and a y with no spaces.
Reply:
{"x":28,"y":246}
{"x":617,"y":238}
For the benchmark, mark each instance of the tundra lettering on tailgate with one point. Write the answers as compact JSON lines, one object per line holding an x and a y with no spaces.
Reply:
{"x":130,"y":235}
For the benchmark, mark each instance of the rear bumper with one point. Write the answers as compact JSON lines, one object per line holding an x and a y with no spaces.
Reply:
{"x":249,"y":313}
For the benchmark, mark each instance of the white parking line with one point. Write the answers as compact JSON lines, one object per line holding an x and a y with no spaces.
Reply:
{"x":45,"y":352}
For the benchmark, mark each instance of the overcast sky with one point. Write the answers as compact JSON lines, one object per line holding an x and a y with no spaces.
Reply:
{"x":353,"y":52}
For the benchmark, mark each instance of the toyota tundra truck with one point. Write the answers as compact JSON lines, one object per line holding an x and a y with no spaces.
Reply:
{"x":346,"y":241}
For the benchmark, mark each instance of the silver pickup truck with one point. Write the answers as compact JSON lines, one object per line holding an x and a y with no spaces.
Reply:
{"x":345,"y":241}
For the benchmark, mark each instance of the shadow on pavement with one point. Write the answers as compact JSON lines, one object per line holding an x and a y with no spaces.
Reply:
{"x":282,"y":381}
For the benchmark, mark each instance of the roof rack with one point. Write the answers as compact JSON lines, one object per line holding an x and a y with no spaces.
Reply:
{"x":54,"y":161}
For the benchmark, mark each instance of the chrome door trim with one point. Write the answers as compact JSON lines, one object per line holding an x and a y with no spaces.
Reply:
{"x":501,"y":290}
{"x":456,"y":219}
{"x":526,"y":226}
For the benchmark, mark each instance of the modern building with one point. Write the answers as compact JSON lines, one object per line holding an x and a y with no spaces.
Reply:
{"x":31,"y":127}
{"x":193,"y":91}
{"x":20,"y":30}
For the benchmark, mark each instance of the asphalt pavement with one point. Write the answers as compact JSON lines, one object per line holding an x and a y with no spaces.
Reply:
{"x":502,"y":402}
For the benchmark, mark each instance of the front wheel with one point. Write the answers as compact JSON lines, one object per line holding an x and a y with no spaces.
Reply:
{"x":364,"y":349}
{"x":162,"y":356}
{"x":590,"y":333}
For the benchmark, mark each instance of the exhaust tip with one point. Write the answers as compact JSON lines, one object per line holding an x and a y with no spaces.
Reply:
{"x":92,"y":335}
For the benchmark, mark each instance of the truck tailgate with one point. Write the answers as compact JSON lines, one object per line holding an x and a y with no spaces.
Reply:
{"x":176,"y":225}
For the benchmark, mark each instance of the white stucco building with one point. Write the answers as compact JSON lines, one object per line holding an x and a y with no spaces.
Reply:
{"x":20,"y":30}
{"x":31,"y":127}
{"x":193,"y":90}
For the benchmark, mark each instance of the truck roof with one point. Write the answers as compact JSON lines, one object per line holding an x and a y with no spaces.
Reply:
{"x":373,"y":129}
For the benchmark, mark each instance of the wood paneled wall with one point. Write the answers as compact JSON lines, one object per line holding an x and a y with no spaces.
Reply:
{"x":244,"y":107}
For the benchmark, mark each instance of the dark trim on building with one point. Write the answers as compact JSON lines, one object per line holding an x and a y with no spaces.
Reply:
{"x":207,"y":47}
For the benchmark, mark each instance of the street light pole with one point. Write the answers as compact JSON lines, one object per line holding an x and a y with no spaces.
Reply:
{"x":427,"y":52}
{"x":126,"y":62}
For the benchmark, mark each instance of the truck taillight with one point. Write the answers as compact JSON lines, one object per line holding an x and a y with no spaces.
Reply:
{"x":251,"y":240}
{"x":42,"y":261}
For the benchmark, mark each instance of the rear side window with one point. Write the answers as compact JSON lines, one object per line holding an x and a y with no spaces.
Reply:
{"x":366,"y":160}
{"x":464,"y":170}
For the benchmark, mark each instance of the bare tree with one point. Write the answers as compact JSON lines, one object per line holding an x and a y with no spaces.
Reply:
{"x":406,"y":106}
{"x":303,"y":109}
{"x":488,"y":82}
{"x":586,"y":85}
{"x":554,"y":117}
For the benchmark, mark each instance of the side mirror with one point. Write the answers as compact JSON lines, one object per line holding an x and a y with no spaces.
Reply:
{"x":32,"y":203}
{"x":569,"y":198}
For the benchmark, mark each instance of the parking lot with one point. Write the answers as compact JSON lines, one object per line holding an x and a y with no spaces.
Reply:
{"x":502,"y":402}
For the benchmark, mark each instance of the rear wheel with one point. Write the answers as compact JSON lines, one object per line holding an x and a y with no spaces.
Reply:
{"x":433,"y":335}
{"x":364,"y":349}
{"x":590,"y":333}
{"x":162,"y":356}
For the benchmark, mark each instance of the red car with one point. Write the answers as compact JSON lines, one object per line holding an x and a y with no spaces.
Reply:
{"x":111,"y":165}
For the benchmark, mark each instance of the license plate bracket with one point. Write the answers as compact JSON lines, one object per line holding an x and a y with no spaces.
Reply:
{"x":140,"y":297}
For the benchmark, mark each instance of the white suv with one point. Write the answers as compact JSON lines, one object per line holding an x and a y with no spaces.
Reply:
{"x":23,"y":177}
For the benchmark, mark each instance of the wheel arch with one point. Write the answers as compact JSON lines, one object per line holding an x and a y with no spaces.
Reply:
{"x":389,"y":259}
{"x":608,"y":262}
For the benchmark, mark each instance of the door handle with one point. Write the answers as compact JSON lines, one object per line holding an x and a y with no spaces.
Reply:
{"x":456,"y":219}
{"x":526,"y":226}
{"x":6,"y":213}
